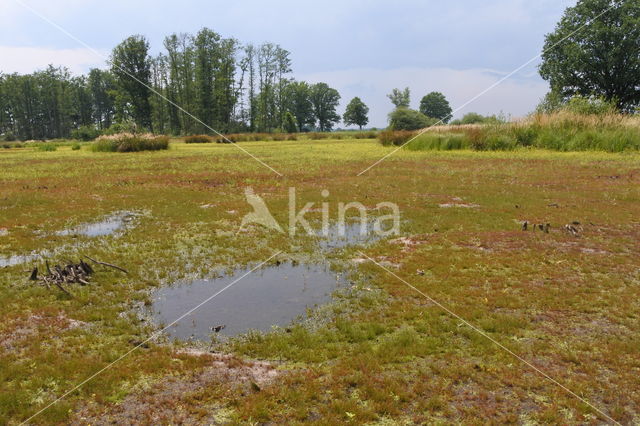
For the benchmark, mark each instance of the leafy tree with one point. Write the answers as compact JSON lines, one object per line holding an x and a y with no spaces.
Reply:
{"x":289,"y":124}
{"x":595,"y":52}
{"x":356,"y":113}
{"x":297,"y":100}
{"x":131,"y":65}
{"x":102,"y":87}
{"x":435,"y":105}
{"x":409,"y":119}
{"x":325,"y":101}
{"x":400,"y":98}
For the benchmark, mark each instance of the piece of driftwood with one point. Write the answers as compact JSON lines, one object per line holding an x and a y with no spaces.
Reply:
{"x":71,"y":273}
{"x":106,"y":264}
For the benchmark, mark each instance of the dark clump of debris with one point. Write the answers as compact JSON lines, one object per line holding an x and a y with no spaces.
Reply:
{"x":71,"y":273}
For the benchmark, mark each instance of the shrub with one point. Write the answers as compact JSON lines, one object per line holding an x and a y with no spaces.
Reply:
{"x":8,"y":137}
{"x":409,"y":119}
{"x":198,"y":139}
{"x":440,"y":142}
{"x":315,"y":136}
{"x":75,"y":147}
{"x":365,"y":135}
{"x":126,"y":142}
{"x":391,"y":137}
{"x":85,"y":133}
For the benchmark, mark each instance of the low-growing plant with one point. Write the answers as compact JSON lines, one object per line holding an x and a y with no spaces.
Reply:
{"x":127,"y":142}
{"x":395,"y":137}
{"x":47,"y":147}
{"x":198,"y":139}
{"x":76,"y":147}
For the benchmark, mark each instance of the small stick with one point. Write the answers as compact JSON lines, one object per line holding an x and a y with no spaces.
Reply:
{"x":106,"y":264}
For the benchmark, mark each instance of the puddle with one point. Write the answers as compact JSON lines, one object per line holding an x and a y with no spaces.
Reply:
{"x":18,"y":260}
{"x":271,"y":296}
{"x":107,"y":226}
{"x":353,"y":234}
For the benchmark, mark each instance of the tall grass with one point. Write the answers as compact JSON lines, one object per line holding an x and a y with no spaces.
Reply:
{"x":127,"y":142}
{"x":560,"y":131}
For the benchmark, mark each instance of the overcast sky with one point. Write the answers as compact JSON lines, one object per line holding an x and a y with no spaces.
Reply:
{"x":362,"y":48}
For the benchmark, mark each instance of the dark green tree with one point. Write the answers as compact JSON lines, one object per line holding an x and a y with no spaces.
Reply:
{"x":400,"y":98}
{"x":325,"y":101}
{"x":356,"y":113}
{"x":596,"y":52}
{"x":297,"y":99}
{"x":435,"y":105}
{"x":102,"y":87}
{"x":289,"y":124}
{"x":131,"y":65}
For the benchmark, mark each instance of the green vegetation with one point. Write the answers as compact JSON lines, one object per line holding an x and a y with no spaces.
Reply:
{"x":594,"y":51}
{"x":383,"y":353}
{"x":356,"y":113}
{"x":435,"y":105}
{"x":198,"y":139}
{"x":562,"y":131}
{"x":126,"y":142}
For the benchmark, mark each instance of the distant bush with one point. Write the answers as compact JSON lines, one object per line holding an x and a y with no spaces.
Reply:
{"x":198,"y":139}
{"x":8,"y":137}
{"x":475,"y":118}
{"x":365,"y":135}
{"x":85,"y":133}
{"x":409,"y":119}
{"x":118,"y":128}
{"x":395,"y":137}
{"x":316,"y":136}
{"x":127,"y":142}
{"x":75,"y":147}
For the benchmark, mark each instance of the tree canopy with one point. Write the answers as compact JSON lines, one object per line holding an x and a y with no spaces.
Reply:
{"x":400,"y":98}
{"x":409,"y":119}
{"x":435,"y":105}
{"x":325,"y":101}
{"x":595,"y":51}
{"x":356,"y":113}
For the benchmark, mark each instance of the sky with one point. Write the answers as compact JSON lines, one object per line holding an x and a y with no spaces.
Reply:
{"x":361,"y":48}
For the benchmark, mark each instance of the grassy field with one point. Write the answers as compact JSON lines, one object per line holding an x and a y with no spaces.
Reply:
{"x":383,"y":354}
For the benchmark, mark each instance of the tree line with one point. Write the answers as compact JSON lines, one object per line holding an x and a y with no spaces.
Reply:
{"x":197,"y":84}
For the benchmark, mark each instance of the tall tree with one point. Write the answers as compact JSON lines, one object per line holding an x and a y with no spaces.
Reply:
{"x":325,"y":101}
{"x":400,"y":98}
{"x":207,"y":63}
{"x":356,"y":113}
{"x":435,"y":105}
{"x":595,"y":50}
{"x":131,"y":64}
{"x":102,"y":87}
{"x":297,"y":100}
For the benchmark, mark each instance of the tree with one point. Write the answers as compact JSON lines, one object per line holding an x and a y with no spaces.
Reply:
{"x":325,"y":101}
{"x":102,"y":87}
{"x":131,"y":64}
{"x":400,"y":98}
{"x":297,"y":99}
{"x":595,"y":52}
{"x":356,"y":113}
{"x":289,"y":124}
{"x":409,"y":119}
{"x":435,"y":105}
